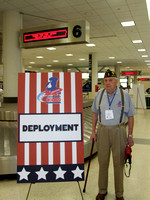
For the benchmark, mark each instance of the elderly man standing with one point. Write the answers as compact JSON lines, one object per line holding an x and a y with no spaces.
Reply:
{"x":110,"y":109}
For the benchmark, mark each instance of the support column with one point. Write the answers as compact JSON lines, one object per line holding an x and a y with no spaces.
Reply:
{"x":94,"y":75}
{"x":12,"y":54}
{"x":117,"y":71}
{"x":129,"y":81}
{"x":135,"y":79}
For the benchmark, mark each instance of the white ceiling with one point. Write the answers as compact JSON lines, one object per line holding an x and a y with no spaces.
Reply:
{"x":106,"y":32}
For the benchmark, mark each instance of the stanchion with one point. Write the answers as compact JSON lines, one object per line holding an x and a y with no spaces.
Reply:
{"x":88,"y":166}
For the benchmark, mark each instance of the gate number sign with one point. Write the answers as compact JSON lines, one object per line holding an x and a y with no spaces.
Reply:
{"x":59,"y":34}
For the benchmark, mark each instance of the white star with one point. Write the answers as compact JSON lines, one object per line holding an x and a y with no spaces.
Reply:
{"x":23,"y":174}
{"x":41,"y":174}
{"x":60,"y":173}
{"x":77,"y":172}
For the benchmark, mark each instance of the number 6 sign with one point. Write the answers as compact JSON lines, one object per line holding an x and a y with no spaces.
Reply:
{"x":60,"y":34}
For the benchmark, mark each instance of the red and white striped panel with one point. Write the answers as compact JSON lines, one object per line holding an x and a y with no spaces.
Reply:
{"x":29,"y":86}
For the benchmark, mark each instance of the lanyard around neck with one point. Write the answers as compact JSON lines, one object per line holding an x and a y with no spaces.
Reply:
{"x":110,"y":102}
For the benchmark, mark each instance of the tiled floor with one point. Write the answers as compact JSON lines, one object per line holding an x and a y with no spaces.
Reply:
{"x":136,"y":187}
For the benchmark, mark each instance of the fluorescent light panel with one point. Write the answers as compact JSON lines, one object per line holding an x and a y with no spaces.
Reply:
{"x":32,"y":62}
{"x":69,"y":54}
{"x":128,"y":23}
{"x":137,"y":41}
{"x":90,"y":45}
{"x":39,"y":57}
{"x":51,"y":48}
{"x":141,"y":50}
{"x":111,"y":57}
{"x":144,"y":56}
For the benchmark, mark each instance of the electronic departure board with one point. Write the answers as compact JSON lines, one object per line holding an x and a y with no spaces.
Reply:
{"x":131,"y":73}
{"x":143,"y":79}
{"x":45,"y":35}
{"x":53,"y":35}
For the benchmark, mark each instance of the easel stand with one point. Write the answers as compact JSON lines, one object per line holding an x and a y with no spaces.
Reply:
{"x":34,"y":183}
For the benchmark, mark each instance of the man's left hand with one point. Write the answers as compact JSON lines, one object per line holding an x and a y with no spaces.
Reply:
{"x":130,"y":141}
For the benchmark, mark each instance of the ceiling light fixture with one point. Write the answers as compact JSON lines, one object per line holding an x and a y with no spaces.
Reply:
{"x":51,"y":48}
{"x":41,"y":68}
{"x":128,"y":23}
{"x":90,"y":45}
{"x":119,"y":61}
{"x":137,"y":41}
{"x":70,"y":64}
{"x":111,"y":57}
{"x":141,"y":50}
{"x":39,"y":57}
{"x":32,"y":62}
{"x":48,"y":65}
{"x":69,"y":54}
{"x":144,"y":56}
{"x":147,"y":60}
{"x":55,"y":60}
{"x":82,"y":59}
{"x":29,"y":66}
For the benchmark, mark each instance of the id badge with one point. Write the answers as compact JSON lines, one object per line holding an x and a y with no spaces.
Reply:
{"x":109,"y":114}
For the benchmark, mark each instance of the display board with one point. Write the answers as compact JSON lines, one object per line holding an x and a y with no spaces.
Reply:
{"x":50,"y":127}
{"x":76,"y":32}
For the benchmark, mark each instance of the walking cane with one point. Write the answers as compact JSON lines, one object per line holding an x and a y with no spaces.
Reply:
{"x":88,"y":165}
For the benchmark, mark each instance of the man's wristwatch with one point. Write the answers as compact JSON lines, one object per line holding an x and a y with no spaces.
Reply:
{"x":130,"y":135}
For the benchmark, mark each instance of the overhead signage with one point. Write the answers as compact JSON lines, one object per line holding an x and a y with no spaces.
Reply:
{"x":143,"y":79}
{"x":53,"y":35}
{"x":45,"y":35}
{"x":130,"y":73}
{"x":50,"y":146}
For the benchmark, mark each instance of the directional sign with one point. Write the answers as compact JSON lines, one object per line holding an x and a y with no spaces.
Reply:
{"x":59,"y":34}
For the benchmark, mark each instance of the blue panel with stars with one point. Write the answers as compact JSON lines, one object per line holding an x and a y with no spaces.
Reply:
{"x":50,"y":173}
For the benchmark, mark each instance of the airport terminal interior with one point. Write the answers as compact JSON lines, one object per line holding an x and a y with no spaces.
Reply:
{"x":86,"y":37}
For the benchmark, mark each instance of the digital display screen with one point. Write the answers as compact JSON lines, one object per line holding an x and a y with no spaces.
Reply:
{"x":45,"y":35}
{"x":143,"y":79}
{"x":129,"y":73}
